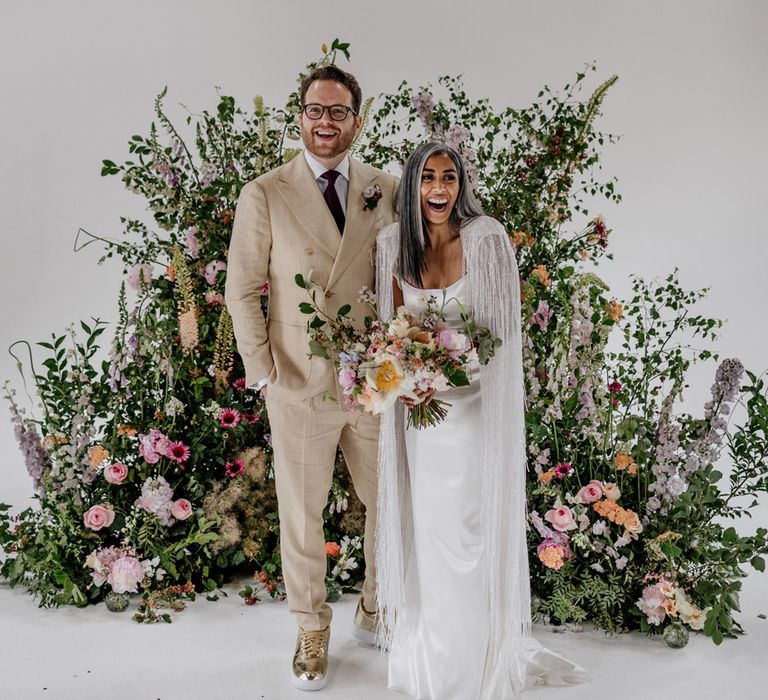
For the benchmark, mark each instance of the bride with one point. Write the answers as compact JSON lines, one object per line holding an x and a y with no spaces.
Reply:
{"x":453,"y":587}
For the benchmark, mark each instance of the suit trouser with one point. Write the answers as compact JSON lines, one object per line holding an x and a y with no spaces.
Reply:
{"x":305,"y":435}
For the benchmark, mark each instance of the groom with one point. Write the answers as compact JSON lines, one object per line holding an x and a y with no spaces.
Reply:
{"x":310,"y":215}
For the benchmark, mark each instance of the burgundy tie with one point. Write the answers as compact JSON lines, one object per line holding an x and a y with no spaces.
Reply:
{"x":332,"y":198}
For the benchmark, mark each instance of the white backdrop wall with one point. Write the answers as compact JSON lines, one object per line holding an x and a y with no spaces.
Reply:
{"x":78,"y":78}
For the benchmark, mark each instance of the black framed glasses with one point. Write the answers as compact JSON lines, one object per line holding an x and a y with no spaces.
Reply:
{"x":337,"y":113}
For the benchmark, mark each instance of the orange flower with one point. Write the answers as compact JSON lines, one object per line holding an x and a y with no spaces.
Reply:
{"x":614,"y":310}
{"x":541,"y":274}
{"x":521,"y":237}
{"x":171,"y":270}
{"x":332,"y":549}
{"x":623,"y":460}
{"x":547,"y":476}
{"x":49,"y":442}
{"x":551,"y":557}
{"x":632,"y":468}
{"x":97,"y":454}
{"x":126,"y":429}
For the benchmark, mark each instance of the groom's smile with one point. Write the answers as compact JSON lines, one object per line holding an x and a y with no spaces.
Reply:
{"x":327,"y":139}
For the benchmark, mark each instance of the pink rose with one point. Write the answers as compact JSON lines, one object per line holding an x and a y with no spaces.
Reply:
{"x":115,"y":473}
{"x":181,"y":509}
{"x":561,"y":518}
{"x":590,"y":493}
{"x":125,"y":574}
{"x":97,"y":517}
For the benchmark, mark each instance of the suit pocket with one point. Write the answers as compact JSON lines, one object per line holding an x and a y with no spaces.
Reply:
{"x":290,"y":351}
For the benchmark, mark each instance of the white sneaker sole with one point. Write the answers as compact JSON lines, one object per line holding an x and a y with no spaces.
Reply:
{"x":301,"y":684}
{"x":364,"y":636}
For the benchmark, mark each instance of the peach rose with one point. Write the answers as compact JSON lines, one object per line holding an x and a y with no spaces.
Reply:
{"x":115,"y":473}
{"x":97,"y":454}
{"x":632,"y":523}
{"x":611,"y":491}
{"x":181,"y":509}
{"x":561,"y":518}
{"x":97,"y":517}
{"x":590,"y":493}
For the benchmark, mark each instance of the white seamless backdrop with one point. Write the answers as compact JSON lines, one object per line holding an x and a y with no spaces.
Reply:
{"x":78,"y":78}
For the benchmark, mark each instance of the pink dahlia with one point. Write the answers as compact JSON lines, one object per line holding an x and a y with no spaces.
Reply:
{"x":229,"y":417}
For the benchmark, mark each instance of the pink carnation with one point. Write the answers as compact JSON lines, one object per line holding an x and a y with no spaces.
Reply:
{"x":97,"y":517}
{"x":181,"y":509}
{"x":561,"y":518}
{"x":115,"y":473}
{"x":153,"y":446}
{"x":590,"y":493}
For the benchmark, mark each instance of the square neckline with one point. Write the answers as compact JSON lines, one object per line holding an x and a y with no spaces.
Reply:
{"x":434,"y":289}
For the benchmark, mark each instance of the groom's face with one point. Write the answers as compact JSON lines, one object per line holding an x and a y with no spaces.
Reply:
{"x":324,"y":138}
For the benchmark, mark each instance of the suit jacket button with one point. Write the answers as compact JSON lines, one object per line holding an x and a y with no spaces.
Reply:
{"x":308,"y":251}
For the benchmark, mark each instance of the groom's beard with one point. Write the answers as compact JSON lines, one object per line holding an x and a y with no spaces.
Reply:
{"x":327,"y":148}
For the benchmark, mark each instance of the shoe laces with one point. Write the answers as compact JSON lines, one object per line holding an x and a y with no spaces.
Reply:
{"x":312,"y":644}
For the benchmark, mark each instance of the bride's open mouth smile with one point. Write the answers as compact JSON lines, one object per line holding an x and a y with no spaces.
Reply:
{"x":437,"y":204}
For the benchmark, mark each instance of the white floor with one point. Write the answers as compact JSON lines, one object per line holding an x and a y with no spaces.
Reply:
{"x":227,"y":650}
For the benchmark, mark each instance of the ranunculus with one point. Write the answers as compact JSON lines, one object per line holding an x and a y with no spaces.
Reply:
{"x":181,"y":509}
{"x":125,"y":574}
{"x":347,"y":379}
{"x":332,"y":549}
{"x":454,"y":341}
{"x":632,"y":523}
{"x":590,"y":493}
{"x":561,"y":518}
{"x":97,"y":517}
{"x":611,"y":491}
{"x":115,"y":473}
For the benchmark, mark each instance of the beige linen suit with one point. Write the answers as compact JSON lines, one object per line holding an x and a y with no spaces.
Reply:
{"x":284,"y":227}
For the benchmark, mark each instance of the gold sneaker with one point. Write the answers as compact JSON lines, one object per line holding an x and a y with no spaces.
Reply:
{"x":310,"y":662}
{"x":365,"y":625}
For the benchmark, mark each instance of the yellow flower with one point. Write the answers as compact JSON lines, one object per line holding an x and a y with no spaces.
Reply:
{"x":614,"y":310}
{"x":387,"y":376}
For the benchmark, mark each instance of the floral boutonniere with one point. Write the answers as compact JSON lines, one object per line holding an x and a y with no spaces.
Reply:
{"x":371,"y":195}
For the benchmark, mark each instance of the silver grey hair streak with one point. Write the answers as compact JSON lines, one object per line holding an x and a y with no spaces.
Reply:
{"x":414,"y":235}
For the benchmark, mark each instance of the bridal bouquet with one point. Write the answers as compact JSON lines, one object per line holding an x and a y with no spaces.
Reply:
{"x":411,"y":356}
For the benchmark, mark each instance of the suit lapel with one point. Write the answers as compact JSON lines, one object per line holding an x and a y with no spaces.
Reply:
{"x":359,"y":221}
{"x":298,"y":187}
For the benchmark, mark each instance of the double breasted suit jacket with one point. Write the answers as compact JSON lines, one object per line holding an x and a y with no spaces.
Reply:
{"x":283,"y":227}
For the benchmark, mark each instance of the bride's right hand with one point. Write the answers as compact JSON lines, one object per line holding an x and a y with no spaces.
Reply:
{"x":425,"y":396}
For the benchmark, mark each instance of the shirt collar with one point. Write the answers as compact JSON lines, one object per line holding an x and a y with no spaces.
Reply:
{"x":318,"y":168}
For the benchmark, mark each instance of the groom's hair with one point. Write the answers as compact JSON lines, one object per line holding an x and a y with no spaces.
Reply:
{"x":337,"y":75}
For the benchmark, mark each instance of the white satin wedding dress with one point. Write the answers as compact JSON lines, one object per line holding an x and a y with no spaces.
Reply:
{"x":441,"y":649}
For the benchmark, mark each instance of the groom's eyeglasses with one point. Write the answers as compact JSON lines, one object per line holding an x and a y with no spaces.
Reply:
{"x":336,"y":112}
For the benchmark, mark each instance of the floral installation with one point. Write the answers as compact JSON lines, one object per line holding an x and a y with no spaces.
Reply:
{"x":371,"y":196}
{"x":633,"y":524}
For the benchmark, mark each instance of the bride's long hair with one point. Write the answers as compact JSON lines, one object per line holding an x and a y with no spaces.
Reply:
{"x":414,"y":234}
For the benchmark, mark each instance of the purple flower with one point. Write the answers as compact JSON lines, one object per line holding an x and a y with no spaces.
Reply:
{"x":140,"y":274}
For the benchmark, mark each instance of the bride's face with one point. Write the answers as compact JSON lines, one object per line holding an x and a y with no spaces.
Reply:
{"x":439,"y":189}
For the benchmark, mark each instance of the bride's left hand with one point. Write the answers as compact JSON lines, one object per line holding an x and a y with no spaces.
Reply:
{"x":425,"y":396}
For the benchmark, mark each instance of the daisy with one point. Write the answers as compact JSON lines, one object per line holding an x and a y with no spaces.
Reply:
{"x":229,"y":417}
{"x":178,"y":451}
